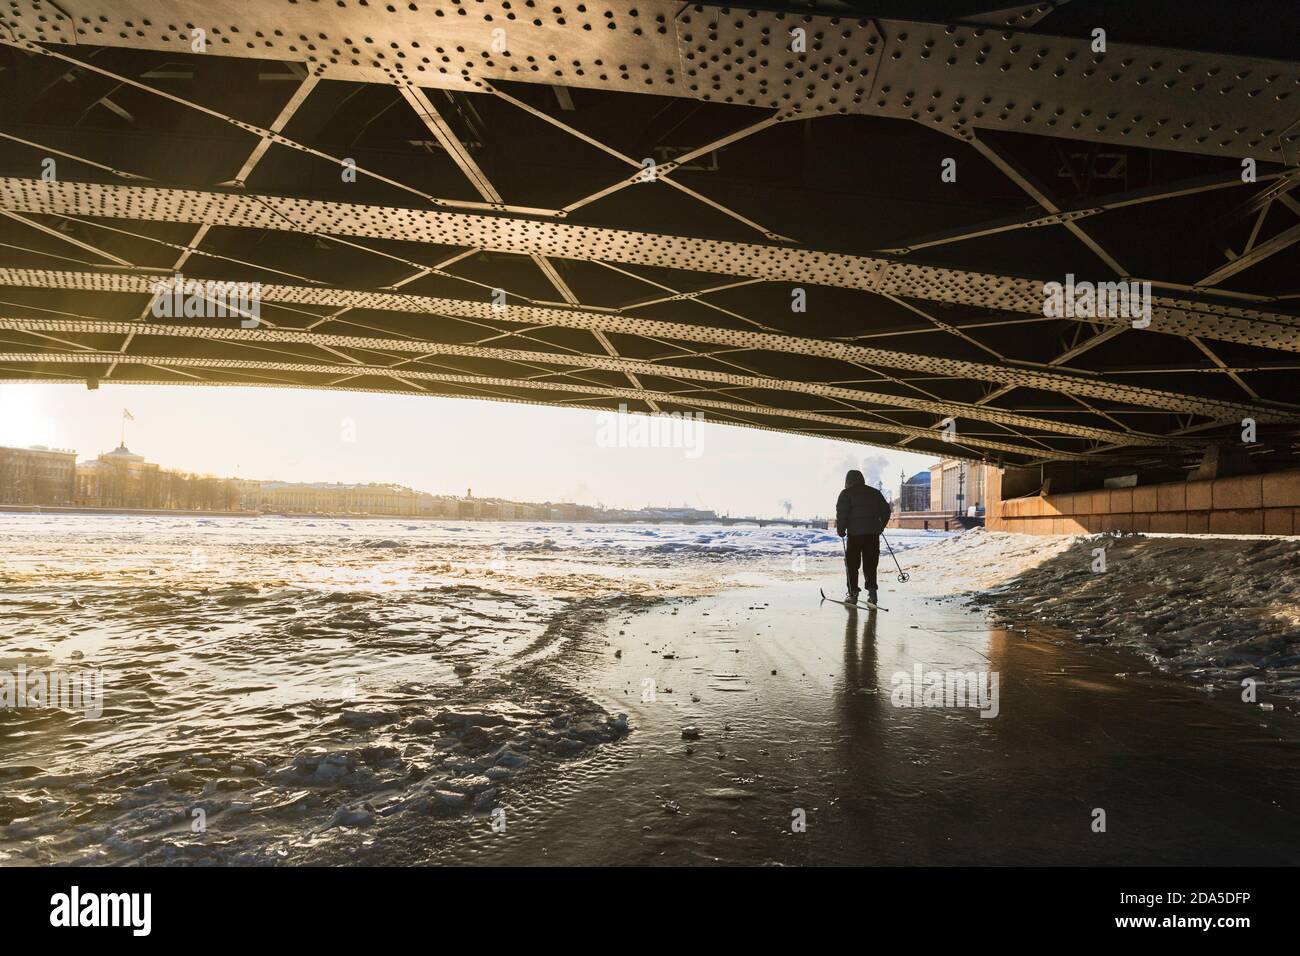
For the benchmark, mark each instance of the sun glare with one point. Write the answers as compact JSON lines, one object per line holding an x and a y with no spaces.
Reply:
{"x":23,"y":417}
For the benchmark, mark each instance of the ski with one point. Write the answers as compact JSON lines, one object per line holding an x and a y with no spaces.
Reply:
{"x":866,"y":606}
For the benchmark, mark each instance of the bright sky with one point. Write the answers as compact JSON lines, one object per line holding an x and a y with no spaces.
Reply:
{"x":445,"y":446}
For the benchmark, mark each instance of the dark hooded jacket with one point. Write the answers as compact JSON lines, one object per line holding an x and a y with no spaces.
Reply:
{"x":861,"y":509}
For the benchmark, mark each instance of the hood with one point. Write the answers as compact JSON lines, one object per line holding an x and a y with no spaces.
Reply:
{"x":854,"y":479}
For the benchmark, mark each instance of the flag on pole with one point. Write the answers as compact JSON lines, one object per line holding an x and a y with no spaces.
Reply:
{"x":126,"y":413}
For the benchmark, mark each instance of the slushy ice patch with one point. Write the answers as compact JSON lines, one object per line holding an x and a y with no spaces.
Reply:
{"x":224,"y":765}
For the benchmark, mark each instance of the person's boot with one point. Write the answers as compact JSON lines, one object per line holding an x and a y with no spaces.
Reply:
{"x":872,"y":597}
{"x":853,"y":595}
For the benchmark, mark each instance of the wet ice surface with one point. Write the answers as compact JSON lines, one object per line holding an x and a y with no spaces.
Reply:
{"x":793,"y":702}
{"x":303,"y":687}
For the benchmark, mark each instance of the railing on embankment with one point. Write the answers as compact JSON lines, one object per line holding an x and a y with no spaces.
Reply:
{"x":935,"y":520}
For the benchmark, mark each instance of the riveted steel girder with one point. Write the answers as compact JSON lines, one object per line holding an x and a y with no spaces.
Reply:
{"x":618,"y":323}
{"x":419,"y":375}
{"x":1181,"y":316}
{"x":566,"y":359}
{"x":1057,"y":388}
{"x":955,"y":76}
{"x":818,"y":425}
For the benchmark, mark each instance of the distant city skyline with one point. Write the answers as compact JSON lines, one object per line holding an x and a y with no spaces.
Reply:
{"x":444,"y":446}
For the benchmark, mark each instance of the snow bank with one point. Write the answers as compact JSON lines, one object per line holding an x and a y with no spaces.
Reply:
{"x":1216,"y":610}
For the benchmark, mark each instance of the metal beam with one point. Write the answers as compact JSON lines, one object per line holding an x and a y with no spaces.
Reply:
{"x":614,"y":322}
{"x":305,"y":86}
{"x":65,"y":237}
{"x":1172,"y":315}
{"x":1137,"y":197}
{"x":1025,"y":181}
{"x":846,"y":431}
{"x":443,"y":132}
{"x":429,"y":348}
{"x":9,"y":359}
{"x":955,"y":76}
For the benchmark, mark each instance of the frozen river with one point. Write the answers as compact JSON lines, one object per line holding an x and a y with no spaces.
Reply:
{"x":307,"y":691}
{"x":254,"y":685}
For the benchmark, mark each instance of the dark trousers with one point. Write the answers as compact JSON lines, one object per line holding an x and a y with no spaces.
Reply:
{"x":864,"y":550}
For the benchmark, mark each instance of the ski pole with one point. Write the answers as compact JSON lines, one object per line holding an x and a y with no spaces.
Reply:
{"x":844,"y":550}
{"x":903,"y":576}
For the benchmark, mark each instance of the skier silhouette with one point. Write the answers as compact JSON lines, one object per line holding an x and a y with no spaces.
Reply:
{"x":861,"y":514}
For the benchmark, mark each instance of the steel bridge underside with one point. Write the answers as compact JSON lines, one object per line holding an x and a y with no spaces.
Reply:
{"x":828,"y":222}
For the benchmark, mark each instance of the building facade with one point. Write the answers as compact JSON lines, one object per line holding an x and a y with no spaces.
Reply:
{"x":122,"y":479}
{"x":37,"y":476}
{"x":118,"y":479}
{"x":286,"y":497}
{"x":956,"y":486}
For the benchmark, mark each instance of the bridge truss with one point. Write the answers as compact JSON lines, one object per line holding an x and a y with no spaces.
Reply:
{"x":812,"y":219}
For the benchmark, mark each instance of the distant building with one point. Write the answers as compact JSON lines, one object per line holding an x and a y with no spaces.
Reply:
{"x":285,"y":497}
{"x":118,"y":479}
{"x":122,"y":479}
{"x":676,"y":514}
{"x":957,"y":486}
{"x":522,"y":510}
{"x":914,"y":494}
{"x":37,"y":476}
